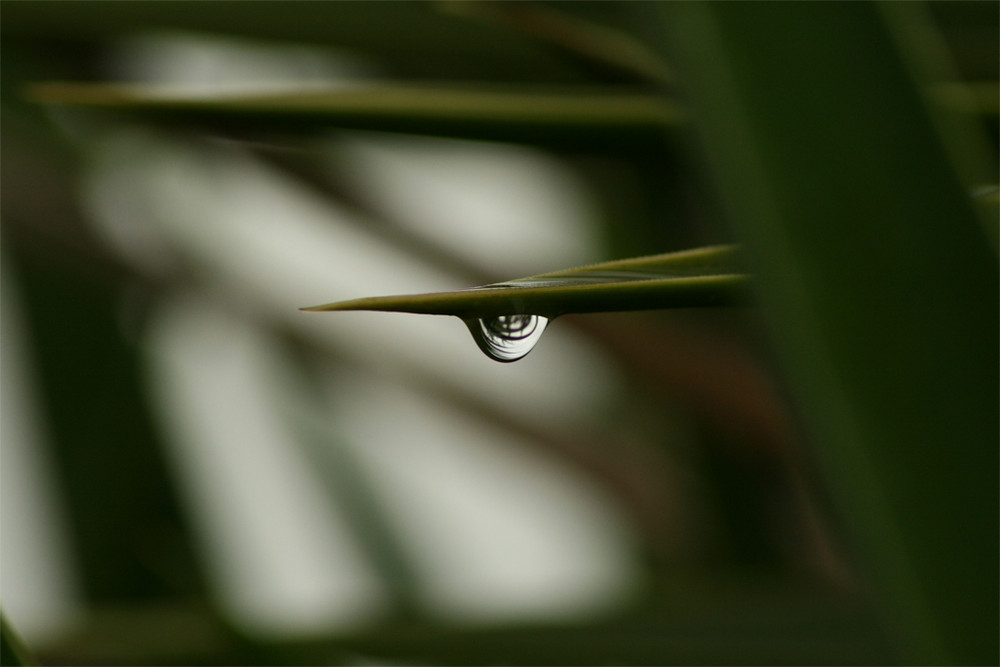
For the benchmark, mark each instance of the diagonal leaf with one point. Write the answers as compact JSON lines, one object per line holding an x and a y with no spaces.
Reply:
{"x":701,"y":277}
{"x":593,"y":42}
{"x":490,"y":112}
{"x":880,"y":285}
{"x":13,"y":650}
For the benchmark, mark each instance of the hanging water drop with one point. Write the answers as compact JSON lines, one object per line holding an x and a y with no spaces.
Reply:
{"x":507,"y":337}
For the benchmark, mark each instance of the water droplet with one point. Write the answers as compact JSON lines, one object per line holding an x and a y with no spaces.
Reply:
{"x":507,"y":337}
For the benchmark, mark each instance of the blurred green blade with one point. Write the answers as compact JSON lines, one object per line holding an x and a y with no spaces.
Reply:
{"x":880,"y":285}
{"x":571,"y":34}
{"x":483,"y":111}
{"x":701,"y":277}
{"x":13,"y":650}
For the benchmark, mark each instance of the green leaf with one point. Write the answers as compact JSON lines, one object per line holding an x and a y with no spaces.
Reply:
{"x":491,"y":112}
{"x":412,"y":40}
{"x":701,"y":277}
{"x":880,"y":286}
{"x":598,"y":44}
{"x":13,"y":650}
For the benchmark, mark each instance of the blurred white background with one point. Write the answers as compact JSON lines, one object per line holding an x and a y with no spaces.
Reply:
{"x":496,"y":528}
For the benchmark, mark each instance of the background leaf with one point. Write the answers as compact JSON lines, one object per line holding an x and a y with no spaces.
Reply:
{"x":881,"y":290}
{"x":13,"y":650}
{"x":603,"y":115}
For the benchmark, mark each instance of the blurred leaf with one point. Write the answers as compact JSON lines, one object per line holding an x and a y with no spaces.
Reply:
{"x":701,"y":277}
{"x":981,"y":98}
{"x":13,"y":650}
{"x":601,"y":46}
{"x":696,"y":620}
{"x":407,"y":39}
{"x":186,"y":631}
{"x":129,"y":535}
{"x":881,"y":288}
{"x":489,"y":112}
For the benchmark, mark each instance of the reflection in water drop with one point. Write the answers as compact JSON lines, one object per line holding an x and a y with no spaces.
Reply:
{"x":507,"y":337}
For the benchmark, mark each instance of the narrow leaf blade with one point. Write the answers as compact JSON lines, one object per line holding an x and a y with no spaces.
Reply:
{"x":693,"y":278}
{"x":482,"y":111}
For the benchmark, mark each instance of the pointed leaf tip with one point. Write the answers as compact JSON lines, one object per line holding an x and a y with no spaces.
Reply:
{"x":699,"y":277}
